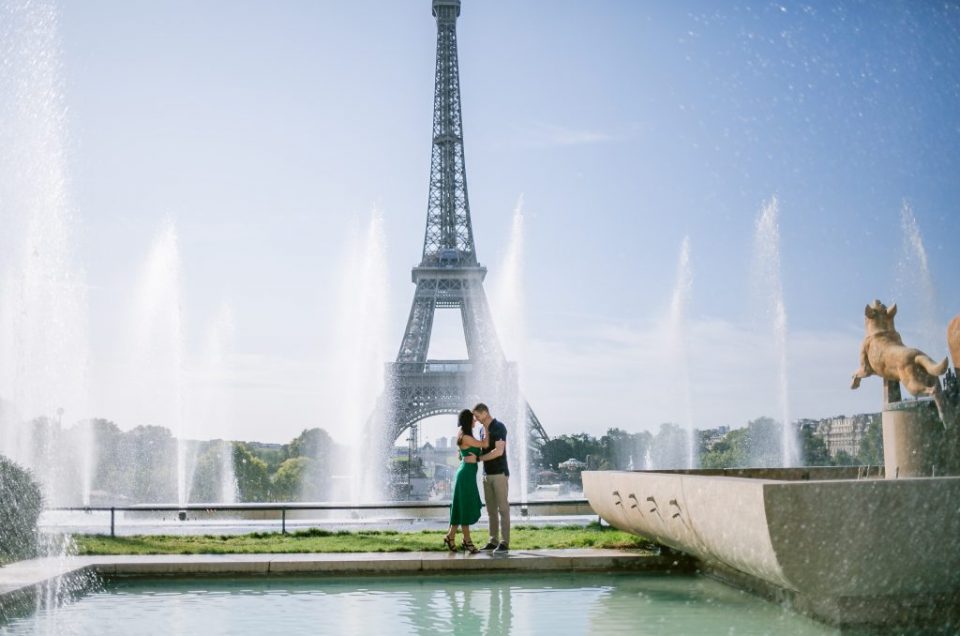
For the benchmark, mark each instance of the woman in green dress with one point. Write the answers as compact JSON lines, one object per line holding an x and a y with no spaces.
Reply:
{"x":465,"y":505}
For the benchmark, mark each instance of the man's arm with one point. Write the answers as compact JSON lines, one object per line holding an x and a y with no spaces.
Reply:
{"x":499,"y":449}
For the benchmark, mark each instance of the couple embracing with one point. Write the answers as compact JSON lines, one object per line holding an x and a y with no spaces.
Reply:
{"x":491,"y":449}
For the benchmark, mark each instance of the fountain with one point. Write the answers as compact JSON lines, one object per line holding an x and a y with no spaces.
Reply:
{"x":914,"y":283}
{"x":43,"y":306}
{"x":43,"y":303}
{"x":769,"y":290}
{"x":509,"y":297}
{"x":213,"y":409}
{"x":358,"y":362}
{"x":157,"y":347}
{"x":834,"y":542}
{"x":838,"y":543}
{"x":679,"y":303}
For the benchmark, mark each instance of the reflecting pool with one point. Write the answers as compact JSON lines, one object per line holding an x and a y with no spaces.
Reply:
{"x":508,"y":603}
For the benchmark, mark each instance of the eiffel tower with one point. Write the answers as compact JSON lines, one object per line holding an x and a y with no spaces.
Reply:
{"x":449,"y":276}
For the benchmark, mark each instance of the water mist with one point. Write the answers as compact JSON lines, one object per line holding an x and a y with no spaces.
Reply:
{"x":915,"y":290}
{"x":361,"y":348}
{"x":156,"y":371}
{"x":769,"y":289}
{"x":212,"y":408}
{"x":679,"y":304}
{"x":43,"y":323}
{"x":508,"y":311}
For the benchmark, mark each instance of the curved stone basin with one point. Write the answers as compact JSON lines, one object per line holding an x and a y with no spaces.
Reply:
{"x":821,"y":537}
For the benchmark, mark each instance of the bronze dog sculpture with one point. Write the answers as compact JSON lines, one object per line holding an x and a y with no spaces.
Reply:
{"x":884,"y":354}
{"x":953,"y":340}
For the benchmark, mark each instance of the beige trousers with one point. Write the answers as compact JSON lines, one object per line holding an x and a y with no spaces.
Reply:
{"x":498,"y":507}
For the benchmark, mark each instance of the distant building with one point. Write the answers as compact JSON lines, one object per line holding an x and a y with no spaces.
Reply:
{"x":711,"y":436}
{"x":842,"y":433}
{"x":572,"y":464}
{"x":440,"y":455}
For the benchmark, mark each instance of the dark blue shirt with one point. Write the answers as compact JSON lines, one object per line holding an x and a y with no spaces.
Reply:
{"x":497,"y":465}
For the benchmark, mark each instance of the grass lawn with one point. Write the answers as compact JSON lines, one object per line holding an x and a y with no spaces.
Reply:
{"x":316,"y":540}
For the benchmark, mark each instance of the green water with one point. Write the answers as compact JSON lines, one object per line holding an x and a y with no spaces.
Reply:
{"x":508,"y":603}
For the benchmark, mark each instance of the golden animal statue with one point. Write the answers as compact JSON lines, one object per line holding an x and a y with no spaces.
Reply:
{"x":953,"y":340}
{"x":884,"y":354}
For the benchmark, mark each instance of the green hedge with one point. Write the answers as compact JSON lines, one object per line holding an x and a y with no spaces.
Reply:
{"x":20,"y":504}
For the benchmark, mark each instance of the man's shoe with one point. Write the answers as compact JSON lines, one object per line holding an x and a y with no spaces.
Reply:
{"x":490,"y":546}
{"x":503,"y":548}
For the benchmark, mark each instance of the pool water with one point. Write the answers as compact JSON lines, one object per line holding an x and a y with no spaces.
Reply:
{"x":615,"y":603}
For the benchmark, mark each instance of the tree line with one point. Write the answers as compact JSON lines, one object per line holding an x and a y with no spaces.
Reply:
{"x":756,"y":444}
{"x":140,"y":465}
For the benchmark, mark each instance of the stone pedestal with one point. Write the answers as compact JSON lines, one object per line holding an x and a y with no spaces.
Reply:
{"x":913,"y":440}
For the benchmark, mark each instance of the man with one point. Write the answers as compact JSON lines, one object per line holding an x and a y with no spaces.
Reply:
{"x":496,"y":477}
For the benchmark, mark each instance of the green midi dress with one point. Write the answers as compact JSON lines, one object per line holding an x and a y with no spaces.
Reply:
{"x":465,"y":507}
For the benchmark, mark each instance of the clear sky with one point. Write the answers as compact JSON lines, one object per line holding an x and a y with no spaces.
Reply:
{"x":267,"y":132}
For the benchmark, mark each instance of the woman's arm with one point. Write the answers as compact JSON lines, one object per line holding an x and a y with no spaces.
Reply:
{"x":470,"y":440}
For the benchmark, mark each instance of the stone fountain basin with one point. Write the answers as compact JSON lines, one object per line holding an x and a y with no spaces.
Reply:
{"x":804,"y":530}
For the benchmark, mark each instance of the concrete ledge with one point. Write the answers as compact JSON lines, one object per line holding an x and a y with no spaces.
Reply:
{"x":25,"y":584}
{"x":21,"y":583}
{"x":187,"y":564}
{"x":353,"y":563}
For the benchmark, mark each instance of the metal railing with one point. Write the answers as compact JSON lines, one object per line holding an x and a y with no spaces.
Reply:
{"x":283,"y":508}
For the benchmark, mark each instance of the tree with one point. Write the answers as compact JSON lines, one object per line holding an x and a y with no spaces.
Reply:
{"x":272,"y":454}
{"x":289,"y":478}
{"x":253,"y":481}
{"x":730,"y":452}
{"x":147,"y":458}
{"x":764,"y":442}
{"x":813,"y":450}
{"x":301,"y":479}
{"x":871,"y":446}
{"x":622,"y":450}
{"x":669,"y":448}
{"x":844,"y":458}
{"x":21,"y":502}
{"x":209,"y":473}
{"x":108,"y":474}
{"x":559,"y":449}
{"x":314,"y":443}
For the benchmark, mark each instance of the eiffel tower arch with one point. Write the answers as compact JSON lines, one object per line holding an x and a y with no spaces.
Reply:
{"x":449,"y":276}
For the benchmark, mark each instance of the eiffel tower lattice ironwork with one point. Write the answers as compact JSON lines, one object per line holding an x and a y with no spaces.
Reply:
{"x":449,"y":276}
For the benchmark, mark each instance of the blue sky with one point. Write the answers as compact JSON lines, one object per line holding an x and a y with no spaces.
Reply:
{"x":268,"y":132}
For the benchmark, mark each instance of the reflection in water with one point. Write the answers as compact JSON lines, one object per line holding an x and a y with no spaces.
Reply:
{"x":500,"y":617}
{"x":499,"y":604}
{"x":662,"y":605}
